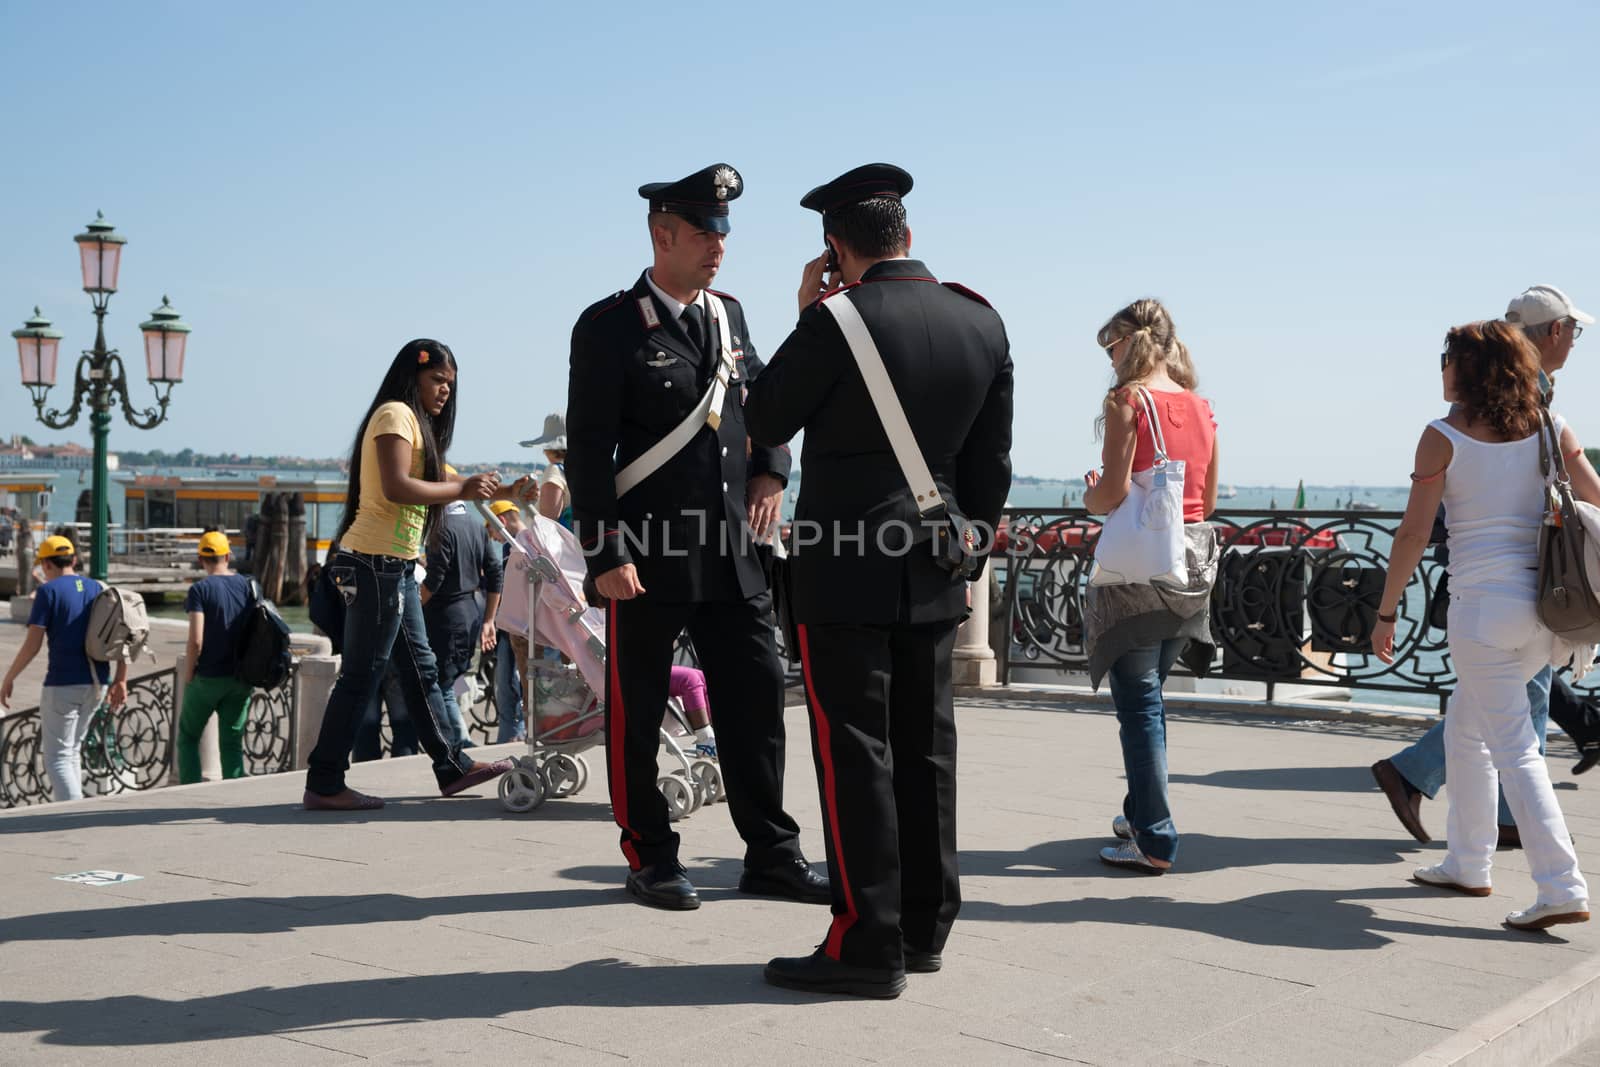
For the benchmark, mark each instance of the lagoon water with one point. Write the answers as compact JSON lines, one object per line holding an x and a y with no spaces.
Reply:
{"x":1055,"y":494}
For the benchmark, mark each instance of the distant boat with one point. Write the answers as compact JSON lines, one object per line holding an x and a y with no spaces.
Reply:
{"x":1364,"y":505}
{"x":1227,"y":492}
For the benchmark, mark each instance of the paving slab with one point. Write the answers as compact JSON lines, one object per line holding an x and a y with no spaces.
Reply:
{"x":437,"y":929}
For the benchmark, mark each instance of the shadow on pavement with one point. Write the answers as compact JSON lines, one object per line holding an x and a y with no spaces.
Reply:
{"x":1197,"y":853}
{"x":479,"y":804}
{"x":1286,"y":779}
{"x":1292,"y":918}
{"x":274,"y":915}
{"x":306,"y":1009}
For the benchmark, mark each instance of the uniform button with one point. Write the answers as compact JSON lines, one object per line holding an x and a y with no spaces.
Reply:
{"x":724,"y":450}
{"x":667,"y":383}
{"x":724,"y":484}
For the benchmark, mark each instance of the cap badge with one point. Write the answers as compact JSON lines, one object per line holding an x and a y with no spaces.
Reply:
{"x":726,"y":181}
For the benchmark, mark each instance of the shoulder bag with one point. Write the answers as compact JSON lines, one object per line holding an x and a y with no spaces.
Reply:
{"x":1141,"y":541}
{"x":1567,"y":602}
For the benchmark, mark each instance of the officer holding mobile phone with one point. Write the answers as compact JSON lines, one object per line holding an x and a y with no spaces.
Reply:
{"x":877,"y":605}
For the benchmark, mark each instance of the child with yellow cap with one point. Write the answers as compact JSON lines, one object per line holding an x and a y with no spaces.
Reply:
{"x":217,"y":606}
{"x":60,"y":615}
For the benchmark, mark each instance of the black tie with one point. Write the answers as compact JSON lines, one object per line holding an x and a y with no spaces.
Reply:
{"x":694,"y":324}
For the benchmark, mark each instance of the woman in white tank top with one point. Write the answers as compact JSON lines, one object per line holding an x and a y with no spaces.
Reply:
{"x":1482,"y":462}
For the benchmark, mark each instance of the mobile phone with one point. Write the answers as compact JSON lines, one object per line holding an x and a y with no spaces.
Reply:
{"x":833,"y":259}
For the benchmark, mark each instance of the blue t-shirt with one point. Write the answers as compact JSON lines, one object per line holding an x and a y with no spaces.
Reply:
{"x":61,"y":606}
{"x":222,"y":598}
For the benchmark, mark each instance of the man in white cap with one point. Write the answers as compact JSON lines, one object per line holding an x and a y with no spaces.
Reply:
{"x":555,"y":499}
{"x":1552,"y":323}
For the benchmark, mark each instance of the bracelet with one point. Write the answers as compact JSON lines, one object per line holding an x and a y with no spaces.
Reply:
{"x":1389,"y":617}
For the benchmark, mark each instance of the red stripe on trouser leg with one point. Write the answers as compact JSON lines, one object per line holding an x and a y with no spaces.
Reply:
{"x":830,"y":795}
{"x":616,"y":740}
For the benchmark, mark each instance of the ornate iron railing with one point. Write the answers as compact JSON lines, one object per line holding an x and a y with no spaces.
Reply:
{"x":1295,"y":600}
{"x":131,"y":748}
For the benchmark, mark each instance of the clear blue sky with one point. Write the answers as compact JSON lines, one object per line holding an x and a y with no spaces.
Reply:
{"x":1317,"y":192}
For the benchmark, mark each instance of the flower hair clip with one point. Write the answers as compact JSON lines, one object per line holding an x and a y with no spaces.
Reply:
{"x":422,"y":358}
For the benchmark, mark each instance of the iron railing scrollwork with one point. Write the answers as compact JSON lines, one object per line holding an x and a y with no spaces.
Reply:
{"x":1295,"y":600}
{"x":126,"y":749}
{"x":269,"y":731}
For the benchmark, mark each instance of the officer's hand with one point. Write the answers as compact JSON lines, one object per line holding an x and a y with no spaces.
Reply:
{"x":480,"y":486}
{"x":619,"y":583}
{"x":812,"y":284}
{"x":763,"y":500}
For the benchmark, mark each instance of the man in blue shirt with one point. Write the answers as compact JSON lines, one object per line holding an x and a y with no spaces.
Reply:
{"x":216,"y":606}
{"x":461,"y":562}
{"x":71,"y":683}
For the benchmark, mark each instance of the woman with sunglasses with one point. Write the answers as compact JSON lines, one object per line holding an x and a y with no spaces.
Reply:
{"x":1481,"y":461}
{"x":1135,"y":633}
{"x":398,"y":490}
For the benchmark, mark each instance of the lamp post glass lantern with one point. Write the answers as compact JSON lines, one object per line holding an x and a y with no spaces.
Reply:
{"x":99,"y":376}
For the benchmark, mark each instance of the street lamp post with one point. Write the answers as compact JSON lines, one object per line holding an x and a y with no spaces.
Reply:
{"x":100,"y":377}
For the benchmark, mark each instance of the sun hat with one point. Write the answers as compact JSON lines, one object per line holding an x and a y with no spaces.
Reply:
{"x":554,"y":438}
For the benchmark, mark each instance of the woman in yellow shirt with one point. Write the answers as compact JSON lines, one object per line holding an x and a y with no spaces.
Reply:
{"x":399,"y":487}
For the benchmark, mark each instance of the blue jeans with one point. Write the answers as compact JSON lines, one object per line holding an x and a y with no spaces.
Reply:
{"x":507,"y":691}
{"x":1136,"y":679}
{"x":369,"y":735}
{"x":382,"y":626}
{"x":1422,"y":764}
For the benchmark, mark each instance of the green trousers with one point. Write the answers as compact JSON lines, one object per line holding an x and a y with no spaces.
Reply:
{"x":229,"y":700}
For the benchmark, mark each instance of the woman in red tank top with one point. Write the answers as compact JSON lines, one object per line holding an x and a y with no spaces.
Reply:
{"x":1133,"y":633}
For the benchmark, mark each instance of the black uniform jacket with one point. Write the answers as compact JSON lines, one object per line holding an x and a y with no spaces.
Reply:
{"x":634,"y":376}
{"x":947,"y":355}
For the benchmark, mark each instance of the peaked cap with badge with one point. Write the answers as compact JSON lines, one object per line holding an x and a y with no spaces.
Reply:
{"x":702,"y":197}
{"x":867,"y":182}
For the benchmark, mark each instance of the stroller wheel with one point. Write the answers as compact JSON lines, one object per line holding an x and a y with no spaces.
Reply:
{"x":563,"y":775}
{"x":681,"y":799}
{"x":708,"y":780}
{"x":521,"y":790}
{"x":583,"y":773}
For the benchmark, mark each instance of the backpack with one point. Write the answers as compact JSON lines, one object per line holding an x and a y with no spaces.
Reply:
{"x":261,"y":653}
{"x":119,"y":628}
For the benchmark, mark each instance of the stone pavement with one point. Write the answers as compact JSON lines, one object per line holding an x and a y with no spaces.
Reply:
{"x":434,"y":928}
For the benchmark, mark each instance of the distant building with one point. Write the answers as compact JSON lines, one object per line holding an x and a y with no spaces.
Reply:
{"x":16,"y":454}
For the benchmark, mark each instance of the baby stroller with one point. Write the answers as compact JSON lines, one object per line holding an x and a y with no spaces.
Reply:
{"x":564,"y":713}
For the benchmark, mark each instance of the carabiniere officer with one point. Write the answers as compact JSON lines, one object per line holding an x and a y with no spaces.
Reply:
{"x":665,"y":492}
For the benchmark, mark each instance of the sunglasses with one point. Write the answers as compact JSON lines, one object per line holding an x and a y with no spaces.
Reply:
{"x":1444,"y":360}
{"x":1577,"y":330}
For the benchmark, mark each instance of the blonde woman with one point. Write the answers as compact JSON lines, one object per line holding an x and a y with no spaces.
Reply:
{"x":1134,"y":633}
{"x":1482,"y":462}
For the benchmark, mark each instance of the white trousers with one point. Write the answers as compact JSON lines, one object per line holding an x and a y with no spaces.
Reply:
{"x":1497,"y":644}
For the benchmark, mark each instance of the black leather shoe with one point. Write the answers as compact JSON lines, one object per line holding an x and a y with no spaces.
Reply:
{"x":921,"y":962}
{"x":792,"y":880}
{"x":1591,"y":756}
{"x":1510,"y":837}
{"x":817,"y":973}
{"x":666,"y":885}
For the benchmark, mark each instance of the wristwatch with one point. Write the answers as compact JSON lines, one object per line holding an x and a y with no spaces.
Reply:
{"x":1389,"y":617}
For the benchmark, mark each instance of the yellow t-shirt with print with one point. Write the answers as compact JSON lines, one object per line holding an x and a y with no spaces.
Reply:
{"x":382,"y":527}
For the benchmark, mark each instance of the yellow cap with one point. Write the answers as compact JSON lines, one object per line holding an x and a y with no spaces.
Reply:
{"x":500,"y":507}
{"x":214,"y":544}
{"x":51,"y":547}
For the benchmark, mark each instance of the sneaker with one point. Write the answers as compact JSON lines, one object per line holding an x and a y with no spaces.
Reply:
{"x":1440,"y":878}
{"x":705,"y":750}
{"x":1128,"y":856}
{"x":1544,"y":916}
{"x":1122,"y":828}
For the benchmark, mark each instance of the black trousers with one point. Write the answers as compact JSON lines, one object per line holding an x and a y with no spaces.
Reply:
{"x":883,"y":731}
{"x":744,"y":682}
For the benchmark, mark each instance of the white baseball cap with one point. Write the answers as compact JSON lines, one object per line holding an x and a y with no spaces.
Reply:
{"x":1542,"y":304}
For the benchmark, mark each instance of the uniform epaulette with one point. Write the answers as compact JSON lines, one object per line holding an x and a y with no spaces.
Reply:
{"x":600,"y":307}
{"x":725,"y":296}
{"x":968,"y":293}
{"x":831,"y":293}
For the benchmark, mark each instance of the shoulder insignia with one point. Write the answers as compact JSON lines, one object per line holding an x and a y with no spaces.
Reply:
{"x":968,"y":293}
{"x":647,"y":313}
{"x":603,"y":306}
{"x":725,"y":296}
{"x":830,"y":294}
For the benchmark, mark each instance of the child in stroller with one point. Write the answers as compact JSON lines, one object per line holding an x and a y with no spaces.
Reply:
{"x":543,"y":596}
